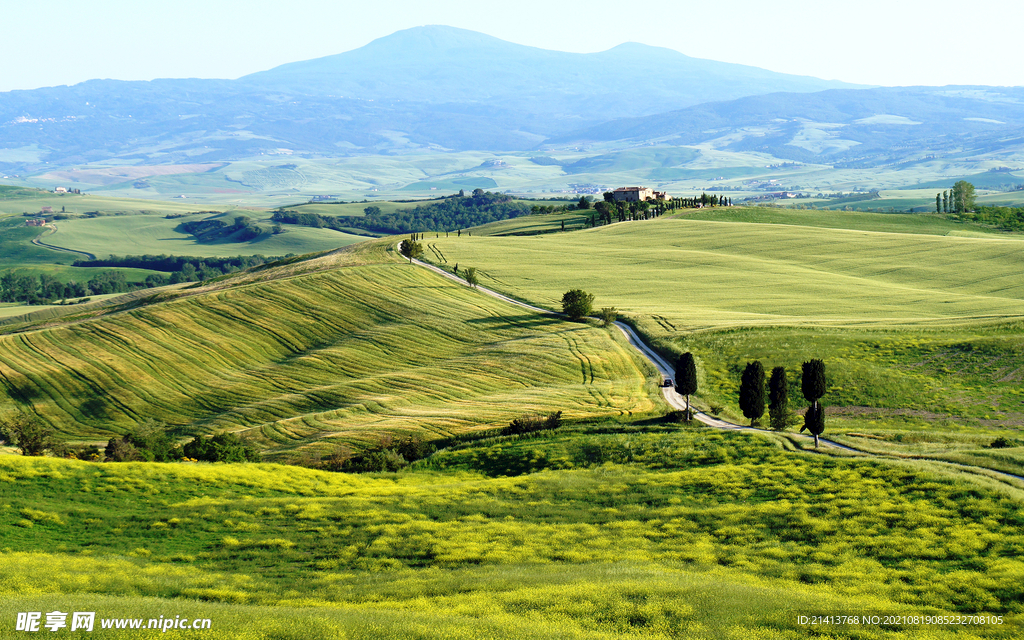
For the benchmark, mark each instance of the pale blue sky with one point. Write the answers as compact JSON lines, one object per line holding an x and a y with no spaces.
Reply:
{"x":893,"y":42}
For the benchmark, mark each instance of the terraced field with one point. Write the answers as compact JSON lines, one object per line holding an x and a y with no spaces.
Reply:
{"x":342,"y":349}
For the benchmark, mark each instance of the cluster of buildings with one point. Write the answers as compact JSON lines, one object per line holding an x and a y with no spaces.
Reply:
{"x":637,"y":194}
{"x":67,"y":190}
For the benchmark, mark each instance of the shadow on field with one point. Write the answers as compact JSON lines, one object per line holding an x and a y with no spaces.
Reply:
{"x":524,"y":320}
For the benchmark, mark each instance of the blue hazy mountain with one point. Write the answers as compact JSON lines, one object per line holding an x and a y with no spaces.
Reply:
{"x":426,"y":87}
{"x":887,"y":126}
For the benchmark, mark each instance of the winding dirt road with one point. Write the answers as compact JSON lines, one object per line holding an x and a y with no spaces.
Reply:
{"x":678,"y":402}
{"x":53,"y":229}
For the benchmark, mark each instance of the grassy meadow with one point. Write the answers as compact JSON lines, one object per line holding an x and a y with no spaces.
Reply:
{"x":637,"y":529}
{"x":920,"y":330}
{"x":332,"y":351}
{"x":619,"y":524}
{"x":156,"y":235}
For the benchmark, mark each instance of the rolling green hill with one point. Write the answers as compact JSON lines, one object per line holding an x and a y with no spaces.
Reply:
{"x":341,"y":349}
{"x":920,"y":332}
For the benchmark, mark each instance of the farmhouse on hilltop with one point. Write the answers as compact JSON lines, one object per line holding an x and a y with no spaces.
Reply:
{"x":637,"y":194}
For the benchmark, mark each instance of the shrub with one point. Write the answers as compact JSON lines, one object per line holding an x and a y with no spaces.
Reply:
{"x":533,"y":422}
{"x":223,"y":447}
{"x":29,"y":434}
{"x":1000,"y":443}
{"x":577,"y":304}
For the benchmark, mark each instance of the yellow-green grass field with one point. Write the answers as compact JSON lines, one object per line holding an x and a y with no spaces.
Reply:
{"x":604,"y":531}
{"x":919,"y":331}
{"x":31,"y":201}
{"x":349,"y":208}
{"x":338,"y":349}
{"x":690,"y":274}
{"x":156,"y":235}
{"x":13,"y":309}
{"x":929,"y":224}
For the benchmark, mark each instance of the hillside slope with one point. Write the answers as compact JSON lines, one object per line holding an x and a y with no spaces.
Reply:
{"x":344,"y":347}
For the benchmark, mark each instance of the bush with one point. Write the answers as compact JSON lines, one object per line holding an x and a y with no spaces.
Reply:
{"x":389,"y":455}
{"x":533,"y":422}
{"x":223,"y":447}
{"x":29,"y":434}
{"x":577,"y":304}
{"x":1000,"y":443}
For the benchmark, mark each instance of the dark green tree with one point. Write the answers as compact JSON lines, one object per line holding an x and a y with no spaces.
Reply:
{"x":686,"y":379}
{"x":938,"y":203}
{"x":583,"y":203}
{"x":577,"y":304}
{"x":469,"y":273}
{"x":945,"y":202}
{"x":814,"y":421}
{"x":778,"y":399}
{"x":812,"y":383}
{"x":962,"y":197}
{"x":28,"y":433}
{"x":411,"y":249}
{"x":752,"y":391}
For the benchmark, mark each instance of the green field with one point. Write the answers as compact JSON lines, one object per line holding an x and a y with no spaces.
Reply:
{"x":156,"y":235}
{"x":349,"y":208}
{"x":620,"y":524}
{"x":705,"y":274}
{"x":928,"y":224}
{"x":920,"y":331}
{"x":334,"y":351}
{"x":611,"y":530}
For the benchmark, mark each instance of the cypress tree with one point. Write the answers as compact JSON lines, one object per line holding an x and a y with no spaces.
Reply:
{"x":686,"y":378}
{"x":945,"y":202}
{"x":938,"y":203}
{"x":812,"y":384}
{"x":778,"y":399}
{"x":814,"y":422}
{"x":752,"y":396}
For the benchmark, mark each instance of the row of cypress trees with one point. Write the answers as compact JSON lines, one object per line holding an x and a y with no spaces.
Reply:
{"x":755,"y":395}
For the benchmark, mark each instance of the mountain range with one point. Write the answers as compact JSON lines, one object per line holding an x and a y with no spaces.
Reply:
{"x":428,"y":87}
{"x":440,"y":88}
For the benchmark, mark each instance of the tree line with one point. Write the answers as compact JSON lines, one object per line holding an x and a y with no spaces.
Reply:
{"x":756,"y":394}
{"x":457,"y":212}
{"x":959,"y":199}
{"x":243,"y":229}
{"x":46,"y":289}
{"x":149,"y":442}
{"x":1004,"y":218}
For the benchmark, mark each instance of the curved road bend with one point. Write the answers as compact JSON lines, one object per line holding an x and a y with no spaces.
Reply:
{"x":39,"y":243}
{"x":667,"y":371}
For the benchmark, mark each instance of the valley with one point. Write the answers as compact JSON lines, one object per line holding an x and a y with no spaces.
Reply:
{"x":648,"y":527}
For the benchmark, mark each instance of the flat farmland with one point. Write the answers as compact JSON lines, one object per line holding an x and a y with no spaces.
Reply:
{"x":154,"y":234}
{"x":357,"y":345}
